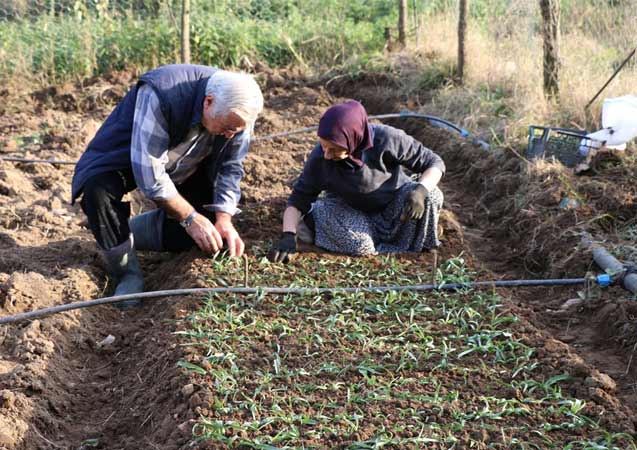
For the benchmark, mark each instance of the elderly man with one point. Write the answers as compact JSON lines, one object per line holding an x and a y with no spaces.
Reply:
{"x":180,"y":135}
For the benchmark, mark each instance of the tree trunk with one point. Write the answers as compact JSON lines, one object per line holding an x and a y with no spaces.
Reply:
{"x":462,"y":34}
{"x":551,"y":35}
{"x":185,"y":32}
{"x":402,"y":23}
{"x":414,"y":13}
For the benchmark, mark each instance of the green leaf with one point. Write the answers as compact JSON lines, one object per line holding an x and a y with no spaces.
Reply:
{"x":192,"y":367}
{"x":556,"y":379}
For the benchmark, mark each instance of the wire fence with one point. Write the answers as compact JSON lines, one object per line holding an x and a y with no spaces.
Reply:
{"x":50,"y":41}
{"x":34,"y":9}
{"x":61,"y":39}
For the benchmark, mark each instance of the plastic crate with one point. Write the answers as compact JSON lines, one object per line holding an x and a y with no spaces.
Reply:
{"x":568,"y":146}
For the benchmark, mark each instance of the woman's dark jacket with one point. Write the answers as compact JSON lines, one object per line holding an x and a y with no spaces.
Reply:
{"x":369,"y":187}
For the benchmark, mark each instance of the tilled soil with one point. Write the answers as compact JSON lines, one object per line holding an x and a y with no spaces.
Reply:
{"x":101,"y":378}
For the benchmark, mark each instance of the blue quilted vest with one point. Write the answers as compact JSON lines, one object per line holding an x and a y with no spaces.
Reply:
{"x":181,"y":89}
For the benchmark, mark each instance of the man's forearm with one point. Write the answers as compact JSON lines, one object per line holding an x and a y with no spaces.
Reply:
{"x":176,"y":207}
{"x":223,"y":218}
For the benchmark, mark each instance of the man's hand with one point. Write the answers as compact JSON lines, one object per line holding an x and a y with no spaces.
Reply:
{"x":229,"y":233}
{"x":281,"y":250}
{"x":205,"y":235}
{"x":201,"y":229}
{"x":415,"y":205}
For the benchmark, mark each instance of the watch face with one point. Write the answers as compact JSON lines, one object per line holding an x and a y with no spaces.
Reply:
{"x":188,"y":220}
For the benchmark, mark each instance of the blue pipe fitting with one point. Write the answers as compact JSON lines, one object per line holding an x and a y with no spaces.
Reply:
{"x":603,"y":280}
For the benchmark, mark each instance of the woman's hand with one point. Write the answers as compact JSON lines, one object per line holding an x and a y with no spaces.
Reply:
{"x":415,"y":205}
{"x":281,"y":250}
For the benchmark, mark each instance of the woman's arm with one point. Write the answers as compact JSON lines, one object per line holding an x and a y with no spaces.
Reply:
{"x":306,"y":189}
{"x":414,"y":207}
{"x":291,"y":218}
{"x":309,"y":184}
{"x":411,"y":154}
{"x":430,"y":178}
{"x":286,"y":245}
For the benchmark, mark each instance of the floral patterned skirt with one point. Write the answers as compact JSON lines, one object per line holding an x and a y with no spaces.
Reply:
{"x":343,"y":229}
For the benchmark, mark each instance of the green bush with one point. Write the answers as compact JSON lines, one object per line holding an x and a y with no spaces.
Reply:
{"x":437,"y":75}
{"x":128,"y":41}
{"x":97,"y":36}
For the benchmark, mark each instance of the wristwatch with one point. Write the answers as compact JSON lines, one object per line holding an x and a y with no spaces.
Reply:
{"x":188,"y":220}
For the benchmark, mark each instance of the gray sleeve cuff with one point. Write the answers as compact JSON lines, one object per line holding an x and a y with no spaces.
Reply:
{"x":232,"y":210}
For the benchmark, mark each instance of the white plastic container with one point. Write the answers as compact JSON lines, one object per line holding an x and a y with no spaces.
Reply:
{"x":619,"y":122}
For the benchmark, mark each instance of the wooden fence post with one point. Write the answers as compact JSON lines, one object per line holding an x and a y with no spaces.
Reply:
{"x":185,"y":32}
{"x":551,"y":36}
{"x":402,"y":23}
{"x":462,"y":35}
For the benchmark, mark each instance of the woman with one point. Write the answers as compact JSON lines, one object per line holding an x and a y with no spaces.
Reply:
{"x":371,"y":206}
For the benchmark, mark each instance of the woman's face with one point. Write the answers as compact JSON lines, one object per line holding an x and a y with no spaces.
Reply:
{"x":332,"y":151}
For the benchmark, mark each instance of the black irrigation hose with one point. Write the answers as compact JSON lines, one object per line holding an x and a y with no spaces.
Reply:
{"x":436,"y":121}
{"x":284,"y":291}
{"x":37,"y":161}
{"x":405,"y":114}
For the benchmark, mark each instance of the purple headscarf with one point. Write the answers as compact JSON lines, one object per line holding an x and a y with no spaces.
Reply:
{"x":347,"y":126}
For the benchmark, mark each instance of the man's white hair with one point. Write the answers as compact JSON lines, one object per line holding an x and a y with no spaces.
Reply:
{"x":235,"y":92}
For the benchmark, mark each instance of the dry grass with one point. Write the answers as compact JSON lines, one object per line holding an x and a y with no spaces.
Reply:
{"x":502,"y":94}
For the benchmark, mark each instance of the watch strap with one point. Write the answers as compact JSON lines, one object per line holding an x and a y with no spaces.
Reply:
{"x":188,"y":220}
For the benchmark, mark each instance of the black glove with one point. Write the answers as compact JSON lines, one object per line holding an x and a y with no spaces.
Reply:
{"x":281,"y":250}
{"x":415,"y":205}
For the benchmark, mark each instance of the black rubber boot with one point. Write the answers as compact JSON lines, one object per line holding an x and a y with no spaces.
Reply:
{"x":122,"y":265}
{"x":147,"y":230}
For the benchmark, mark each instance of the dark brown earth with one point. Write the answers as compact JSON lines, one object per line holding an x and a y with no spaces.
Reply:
{"x":60,"y":387}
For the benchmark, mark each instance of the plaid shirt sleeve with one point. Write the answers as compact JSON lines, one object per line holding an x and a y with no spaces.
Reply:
{"x":149,"y":147}
{"x":227,"y":192}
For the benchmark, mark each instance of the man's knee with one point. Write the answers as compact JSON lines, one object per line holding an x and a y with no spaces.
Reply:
{"x":95,"y":194}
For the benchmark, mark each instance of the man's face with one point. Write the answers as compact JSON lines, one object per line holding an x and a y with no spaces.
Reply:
{"x":227,"y":125}
{"x":332,"y":151}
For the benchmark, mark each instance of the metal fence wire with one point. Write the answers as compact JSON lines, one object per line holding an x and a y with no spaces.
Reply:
{"x":58,"y":40}
{"x":38,"y":9}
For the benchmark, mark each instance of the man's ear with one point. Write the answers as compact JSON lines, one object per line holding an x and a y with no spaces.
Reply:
{"x":208,"y":101}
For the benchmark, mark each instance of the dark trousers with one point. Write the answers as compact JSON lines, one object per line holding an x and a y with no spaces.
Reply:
{"x":108,"y":215}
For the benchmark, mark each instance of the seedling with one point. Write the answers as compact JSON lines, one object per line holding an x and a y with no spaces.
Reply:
{"x":417,"y":369}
